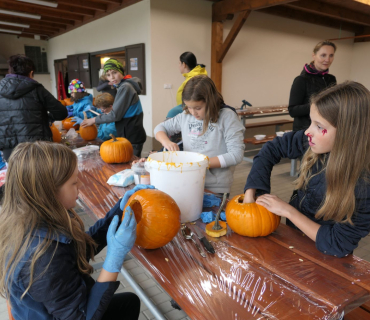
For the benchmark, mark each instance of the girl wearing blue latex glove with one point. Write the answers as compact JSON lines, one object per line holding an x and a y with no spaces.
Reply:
{"x":77,"y":120}
{"x":119,"y":242}
{"x":51,"y":243}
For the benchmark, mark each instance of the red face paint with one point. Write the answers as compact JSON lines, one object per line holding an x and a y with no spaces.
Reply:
{"x":324,"y":131}
{"x":309,"y":137}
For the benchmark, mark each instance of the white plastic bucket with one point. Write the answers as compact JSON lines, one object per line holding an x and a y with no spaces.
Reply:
{"x":181,"y":175}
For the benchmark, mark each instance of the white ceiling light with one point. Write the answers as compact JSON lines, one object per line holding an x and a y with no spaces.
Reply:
{"x":15,"y":24}
{"x":20,"y":14}
{"x":10,"y":31}
{"x":41,"y":3}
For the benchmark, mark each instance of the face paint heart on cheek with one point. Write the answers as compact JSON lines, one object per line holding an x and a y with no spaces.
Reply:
{"x":324,"y":131}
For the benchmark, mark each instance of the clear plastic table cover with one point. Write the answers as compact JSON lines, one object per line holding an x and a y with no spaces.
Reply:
{"x":281,"y":276}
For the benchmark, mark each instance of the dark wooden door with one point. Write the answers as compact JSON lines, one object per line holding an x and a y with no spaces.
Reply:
{"x":135,"y":63}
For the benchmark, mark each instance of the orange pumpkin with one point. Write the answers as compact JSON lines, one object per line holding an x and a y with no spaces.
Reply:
{"x":250,"y":219}
{"x":68,"y":102}
{"x":157,"y":216}
{"x":90,"y":132}
{"x":68,"y":124}
{"x":116,"y":150}
{"x":63,"y":102}
{"x":57,"y":136}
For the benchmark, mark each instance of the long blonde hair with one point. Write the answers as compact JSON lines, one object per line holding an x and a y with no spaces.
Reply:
{"x":346,"y":107}
{"x":202,"y":88}
{"x":35,"y":175}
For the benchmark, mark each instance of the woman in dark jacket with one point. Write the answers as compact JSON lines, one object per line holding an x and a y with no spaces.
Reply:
{"x":26,"y":107}
{"x":314,"y":78}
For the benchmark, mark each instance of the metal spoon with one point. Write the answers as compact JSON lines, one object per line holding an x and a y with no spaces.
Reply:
{"x":188,"y":235}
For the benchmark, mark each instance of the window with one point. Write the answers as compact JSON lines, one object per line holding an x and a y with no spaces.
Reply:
{"x":38,"y":57}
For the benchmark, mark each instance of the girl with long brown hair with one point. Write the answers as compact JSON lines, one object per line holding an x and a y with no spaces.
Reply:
{"x":331,"y":204}
{"x":44,"y":249}
{"x":209,"y":127}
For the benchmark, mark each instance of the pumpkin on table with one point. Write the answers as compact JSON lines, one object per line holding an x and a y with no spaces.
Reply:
{"x":63,"y":102}
{"x":68,"y":124}
{"x":68,"y":102}
{"x":157,"y":216}
{"x":250,"y":219}
{"x":116,"y":150}
{"x":90,"y":132}
{"x":57,"y":136}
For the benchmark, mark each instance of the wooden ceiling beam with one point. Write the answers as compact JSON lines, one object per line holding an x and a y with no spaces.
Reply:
{"x":238,"y":24}
{"x":28,"y":30}
{"x":366,"y":31}
{"x":330,"y":10}
{"x":285,"y":12}
{"x":85,"y":4}
{"x":32,"y":22}
{"x":112,"y":1}
{"x":70,"y":8}
{"x":63,"y":22}
{"x":227,"y":7}
{"x":20,"y":7}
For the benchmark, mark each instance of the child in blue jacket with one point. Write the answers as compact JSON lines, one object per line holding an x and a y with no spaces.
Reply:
{"x":103,"y":105}
{"x":83,"y":101}
{"x":331,"y":203}
{"x":45,"y":269}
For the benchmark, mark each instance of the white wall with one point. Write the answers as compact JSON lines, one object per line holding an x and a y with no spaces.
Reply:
{"x":11,"y":44}
{"x":269,"y":52}
{"x":361,"y":64}
{"x":128,"y":26}
{"x":176,"y":26}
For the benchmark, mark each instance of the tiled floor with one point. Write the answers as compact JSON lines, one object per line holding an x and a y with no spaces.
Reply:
{"x":281,"y":186}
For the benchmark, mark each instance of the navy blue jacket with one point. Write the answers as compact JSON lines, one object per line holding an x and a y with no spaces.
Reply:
{"x":333,"y":238}
{"x":62,"y":292}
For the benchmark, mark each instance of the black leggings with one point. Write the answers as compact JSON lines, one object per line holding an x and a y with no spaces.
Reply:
{"x":123,"y":306}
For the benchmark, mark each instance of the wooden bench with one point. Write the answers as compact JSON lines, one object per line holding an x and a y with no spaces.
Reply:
{"x":360,"y":313}
{"x":276,"y":123}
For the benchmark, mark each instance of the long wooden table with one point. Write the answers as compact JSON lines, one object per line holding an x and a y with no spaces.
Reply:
{"x":281,"y":276}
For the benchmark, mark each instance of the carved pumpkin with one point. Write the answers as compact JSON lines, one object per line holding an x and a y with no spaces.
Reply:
{"x":68,"y":124}
{"x":57,"y":136}
{"x":157,"y":216}
{"x":68,"y":102}
{"x":90,"y":132}
{"x":63,"y":102}
{"x":116,"y":150}
{"x":250,"y":219}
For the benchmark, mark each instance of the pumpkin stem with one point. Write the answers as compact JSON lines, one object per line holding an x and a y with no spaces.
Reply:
{"x":85,"y":116}
{"x":113,"y":137}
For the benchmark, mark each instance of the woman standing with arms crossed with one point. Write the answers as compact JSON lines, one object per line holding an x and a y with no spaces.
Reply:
{"x":314,"y":78}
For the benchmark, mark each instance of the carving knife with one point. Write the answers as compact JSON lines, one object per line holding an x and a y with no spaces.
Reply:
{"x":203,"y":239}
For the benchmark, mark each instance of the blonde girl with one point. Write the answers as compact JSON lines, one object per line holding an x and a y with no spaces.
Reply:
{"x":45,"y":251}
{"x":332,"y":202}
{"x":209,"y":127}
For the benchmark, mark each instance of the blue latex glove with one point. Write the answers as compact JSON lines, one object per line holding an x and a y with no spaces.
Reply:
{"x":70,"y":108}
{"x":77,"y":120}
{"x":129,"y":193}
{"x":120,"y":242}
{"x":70,"y":113}
{"x":210,"y":216}
{"x":210,"y":200}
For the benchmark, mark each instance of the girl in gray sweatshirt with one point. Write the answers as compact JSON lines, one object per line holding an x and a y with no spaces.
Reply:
{"x":209,"y":127}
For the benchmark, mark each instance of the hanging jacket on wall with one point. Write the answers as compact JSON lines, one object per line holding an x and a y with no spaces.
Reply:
{"x":304,"y":86}
{"x":24,"y":108}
